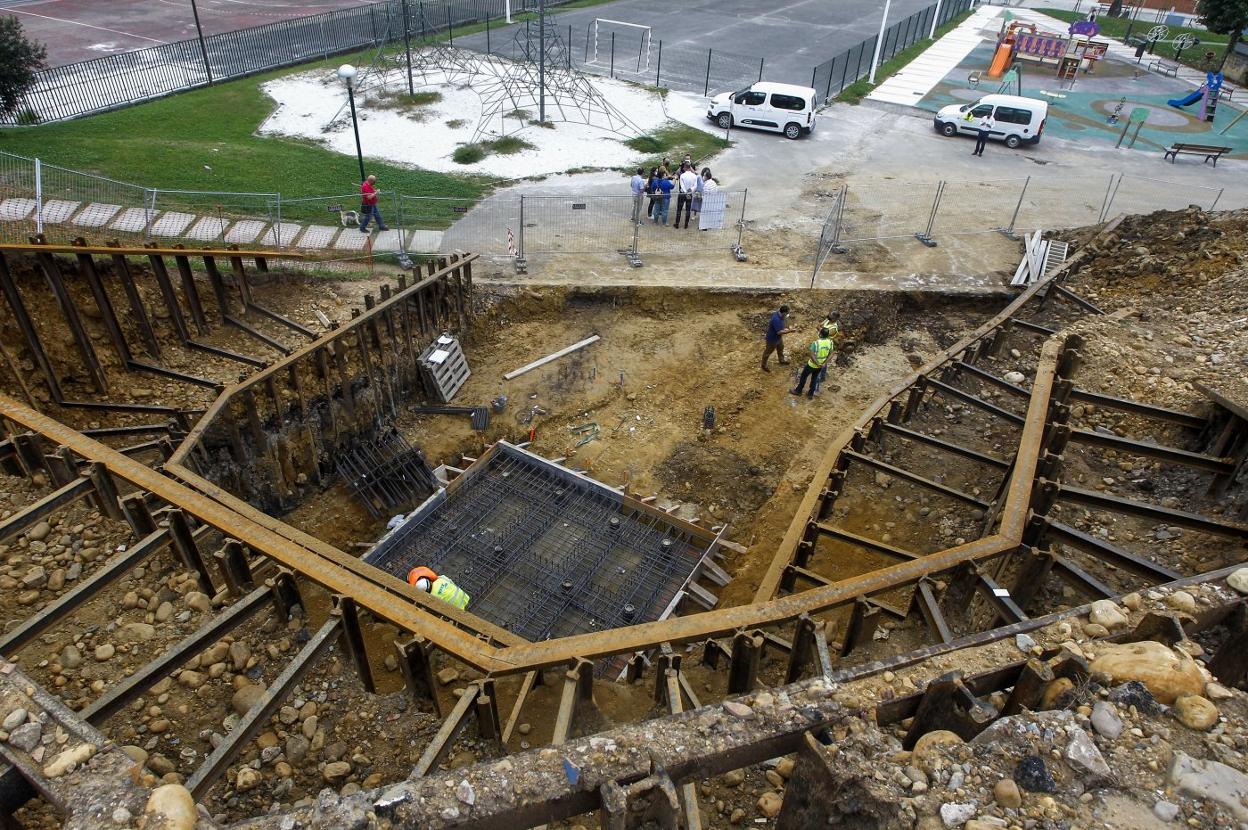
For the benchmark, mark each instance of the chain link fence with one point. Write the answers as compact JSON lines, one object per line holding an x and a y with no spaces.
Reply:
{"x":832,"y":76}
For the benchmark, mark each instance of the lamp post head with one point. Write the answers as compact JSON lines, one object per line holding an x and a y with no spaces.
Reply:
{"x":347,"y":73}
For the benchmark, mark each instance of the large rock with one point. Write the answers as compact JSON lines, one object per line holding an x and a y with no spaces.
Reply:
{"x":1210,"y":780}
{"x":926,"y":755}
{"x":1105,"y":720}
{"x":1166,"y":674}
{"x":246,"y":697}
{"x":1239,"y":580}
{"x":170,"y":808}
{"x":136,"y":632}
{"x":336,"y":771}
{"x":1083,"y":756}
{"x":1105,"y":612}
{"x":769,"y":804}
{"x":1195,"y":712}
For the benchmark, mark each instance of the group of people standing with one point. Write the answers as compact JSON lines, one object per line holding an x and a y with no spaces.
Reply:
{"x":819,"y":354}
{"x":691,"y":189}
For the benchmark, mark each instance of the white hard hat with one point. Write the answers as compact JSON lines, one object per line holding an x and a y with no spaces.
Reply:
{"x":423,"y":584}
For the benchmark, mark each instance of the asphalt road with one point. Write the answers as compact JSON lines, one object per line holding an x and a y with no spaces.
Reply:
{"x":790,"y":37}
{"x":79,"y":30}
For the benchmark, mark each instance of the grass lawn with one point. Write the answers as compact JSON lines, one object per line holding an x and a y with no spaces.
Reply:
{"x":855,"y":92}
{"x":673,"y":140}
{"x":1117,"y":28}
{"x":204,"y":140}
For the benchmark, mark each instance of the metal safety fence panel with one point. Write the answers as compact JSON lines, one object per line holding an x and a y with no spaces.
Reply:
{"x":887,"y":211}
{"x":1056,"y":203}
{"x":215,"y":217}
{"x":576,"y":224}
{"x":1140,"y":194}
{"x":983,"y":206}
{"x":64,"y":204}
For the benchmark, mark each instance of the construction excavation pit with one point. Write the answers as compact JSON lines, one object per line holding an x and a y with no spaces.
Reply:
{"x":989,"y":577}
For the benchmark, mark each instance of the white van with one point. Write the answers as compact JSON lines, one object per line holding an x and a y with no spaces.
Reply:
{"x":781,"y":108}
{"x":1018,"y":120}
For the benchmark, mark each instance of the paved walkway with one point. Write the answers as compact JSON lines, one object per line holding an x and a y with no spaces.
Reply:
{"x":94,"y":218}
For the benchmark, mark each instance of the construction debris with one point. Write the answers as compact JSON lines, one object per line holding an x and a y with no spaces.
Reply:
{"x":548,"y":358}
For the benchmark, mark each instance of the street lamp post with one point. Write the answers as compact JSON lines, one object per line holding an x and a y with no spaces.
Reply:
{"x":879,"y":42}
{"x":347,"y":73}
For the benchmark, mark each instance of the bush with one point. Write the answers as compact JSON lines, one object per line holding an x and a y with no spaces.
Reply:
{"x":509,"y":144}
{"x":468,"y":154}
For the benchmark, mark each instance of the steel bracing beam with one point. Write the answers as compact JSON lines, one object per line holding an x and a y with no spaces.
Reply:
{"x":1173,"y":416}
{"x":118,"y":695}
{"x":947,"y":446}
{"x":257,"y":718}
{"x":1118,"y":557}
{"x":989,"y":377}
{"x":1116,"y":504}
{"x":862,"y":541}
{"x":974,"y":400}
{"x":46,"y":506}
{"x":1220,"y":466}
{"x":914,"y":478}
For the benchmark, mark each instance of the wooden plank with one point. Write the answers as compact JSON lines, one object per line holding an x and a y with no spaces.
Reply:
{"x":515,"y":373}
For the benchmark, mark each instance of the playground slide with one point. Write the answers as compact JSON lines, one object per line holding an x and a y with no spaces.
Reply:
{"x":1001,"y":60}
{"x":1188,"y":101}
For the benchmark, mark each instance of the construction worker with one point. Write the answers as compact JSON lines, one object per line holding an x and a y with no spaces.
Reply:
{"x":424,"y":579}
{"x":833,"y":324}
{"x":820,"y":351}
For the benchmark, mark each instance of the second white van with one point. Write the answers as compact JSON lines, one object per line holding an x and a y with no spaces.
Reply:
{"x":781,"y":108}
{"x":1017,"y":120}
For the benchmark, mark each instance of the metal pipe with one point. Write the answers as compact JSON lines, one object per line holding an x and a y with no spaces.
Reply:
{"x":879,"y":41}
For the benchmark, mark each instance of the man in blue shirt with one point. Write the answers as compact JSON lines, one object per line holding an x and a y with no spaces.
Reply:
{"x":664,"y":188}
{"x":638,"y":185}
{"x":777,"y":328}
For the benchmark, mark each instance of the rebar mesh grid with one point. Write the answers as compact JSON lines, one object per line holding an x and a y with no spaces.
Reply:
{"x":545,"y":553}
{"x":386,"y":474}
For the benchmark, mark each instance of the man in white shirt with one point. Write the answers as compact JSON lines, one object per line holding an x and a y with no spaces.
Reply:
{"x":688,"y":184}
{"x":638,"y":185}
{"x":985,"y":129}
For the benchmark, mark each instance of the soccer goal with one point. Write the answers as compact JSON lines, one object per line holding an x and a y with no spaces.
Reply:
{"x":614,"y":42}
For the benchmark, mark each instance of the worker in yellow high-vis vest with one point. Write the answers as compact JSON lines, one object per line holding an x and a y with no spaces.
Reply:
{"x":820,"y":352}
{"x":424,"y":579}
{"x":833,"y":324}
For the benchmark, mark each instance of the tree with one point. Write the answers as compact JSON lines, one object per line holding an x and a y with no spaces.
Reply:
{"x":1224,"y":17}
{"x":20,"y":58}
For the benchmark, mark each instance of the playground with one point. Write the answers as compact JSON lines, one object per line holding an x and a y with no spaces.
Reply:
{"x":1117,"y":103}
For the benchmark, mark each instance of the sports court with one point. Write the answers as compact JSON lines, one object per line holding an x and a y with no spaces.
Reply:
{"x":792,"y":37}
{"x":79,"y":30}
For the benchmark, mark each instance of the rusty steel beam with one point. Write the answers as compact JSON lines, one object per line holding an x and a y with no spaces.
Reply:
{"x":257,"y":718}
{"x":1034,"y":328}
{"x":119,"y":694}
{"x":27,"y":326}
{"x":1116,"y":504}
{"x":1079,"y":579}
{"x":990,"y":378}
{"x":91,"y":585}
{"x":915,"y":478}
{"x":1160,"y":413}
{"x":52,"y":275}
{"x":947,"y":446}
{"x":865,"y":542}
{"x":1118,"y":557}
{"x":442,"y":740}
{"x":974,"y":400}
{"x":110,"y":250}
{"x":1219,"y":466}
{"x":49,"y":504}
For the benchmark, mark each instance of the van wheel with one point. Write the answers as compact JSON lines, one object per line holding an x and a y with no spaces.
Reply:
{"x":724,"y":120}
{"x":1012,"y":141}
{"x":793,"y":131}
{"x":949,"y":130}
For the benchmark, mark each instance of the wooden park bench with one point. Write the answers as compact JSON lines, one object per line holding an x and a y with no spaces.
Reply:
{"x":1165,"y":67}
{"x":1206,"y":150}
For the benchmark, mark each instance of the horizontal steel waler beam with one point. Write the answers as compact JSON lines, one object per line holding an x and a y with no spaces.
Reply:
{"x":1116,"y":504}
{"x":1220,"y":466}
{"x":114,"y":250}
